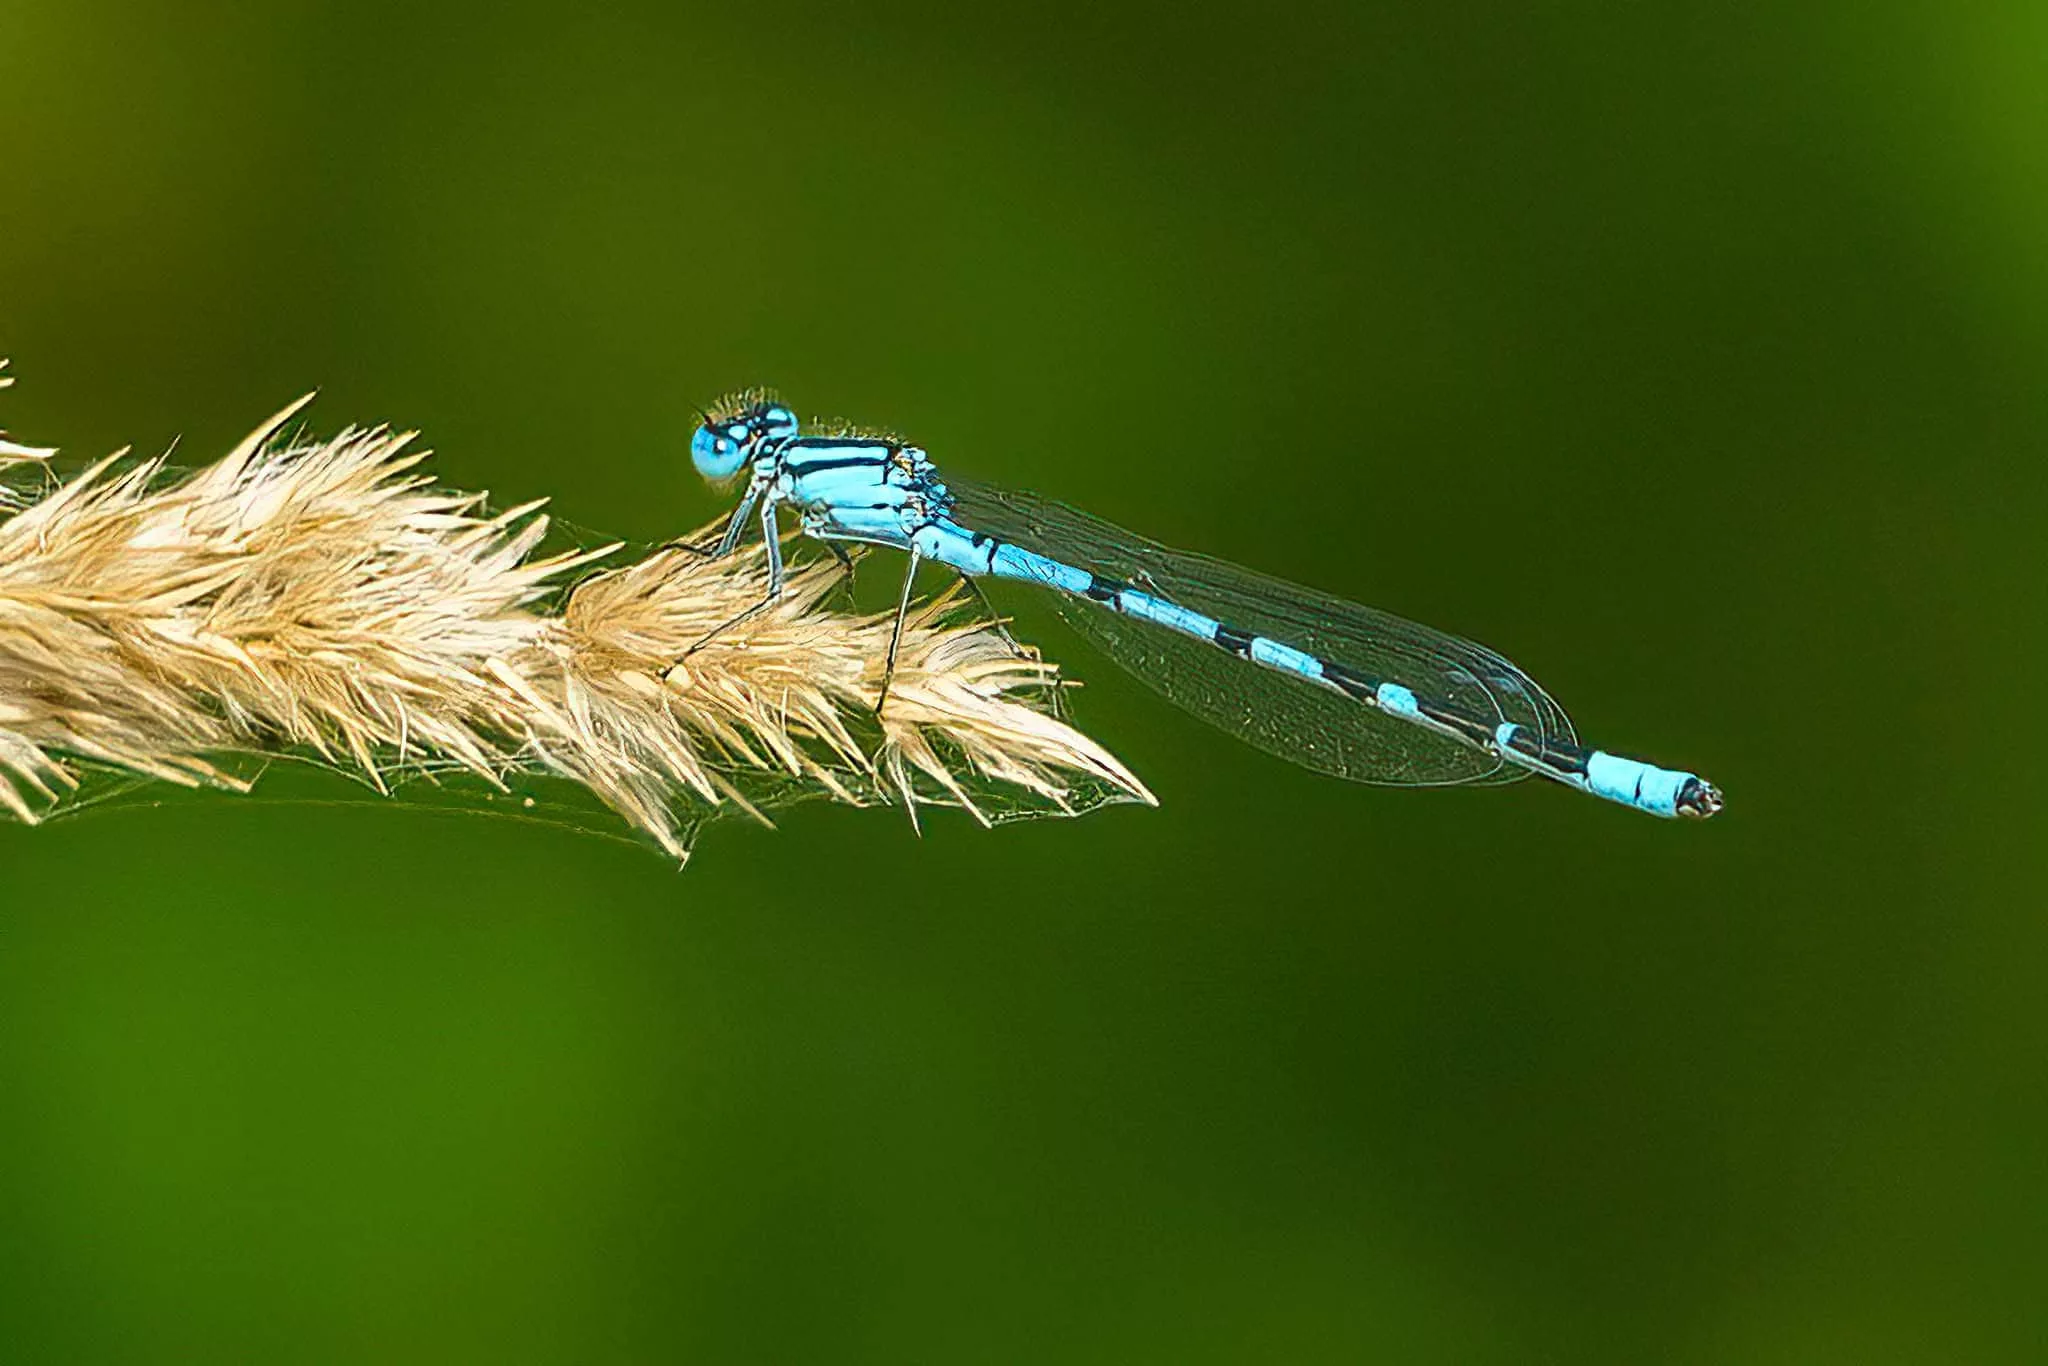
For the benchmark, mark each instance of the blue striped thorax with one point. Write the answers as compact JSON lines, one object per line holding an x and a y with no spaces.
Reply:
{"x":860,"y":487}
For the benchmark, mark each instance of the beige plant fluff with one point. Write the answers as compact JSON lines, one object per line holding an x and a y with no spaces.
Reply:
{"x":327,"y":598}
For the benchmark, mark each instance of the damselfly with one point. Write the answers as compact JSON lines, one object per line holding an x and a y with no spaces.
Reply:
{"x":1328,"y":684}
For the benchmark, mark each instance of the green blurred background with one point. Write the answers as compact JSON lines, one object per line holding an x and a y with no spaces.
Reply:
{"x":1692,"y":355}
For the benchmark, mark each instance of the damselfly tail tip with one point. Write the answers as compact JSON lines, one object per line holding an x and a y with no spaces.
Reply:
{"x":1698,"y":798}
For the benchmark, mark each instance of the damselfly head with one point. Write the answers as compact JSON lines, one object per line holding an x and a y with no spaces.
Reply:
{"x":736,"y":428}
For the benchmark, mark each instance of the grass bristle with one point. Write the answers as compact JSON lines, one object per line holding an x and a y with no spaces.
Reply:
{"x":328,"y":598}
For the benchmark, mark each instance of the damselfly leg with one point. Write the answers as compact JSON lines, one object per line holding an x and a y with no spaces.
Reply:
{"x":896,"y":631}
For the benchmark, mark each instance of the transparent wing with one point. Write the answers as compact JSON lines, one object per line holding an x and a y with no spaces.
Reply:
{"x":1293,"y":719}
